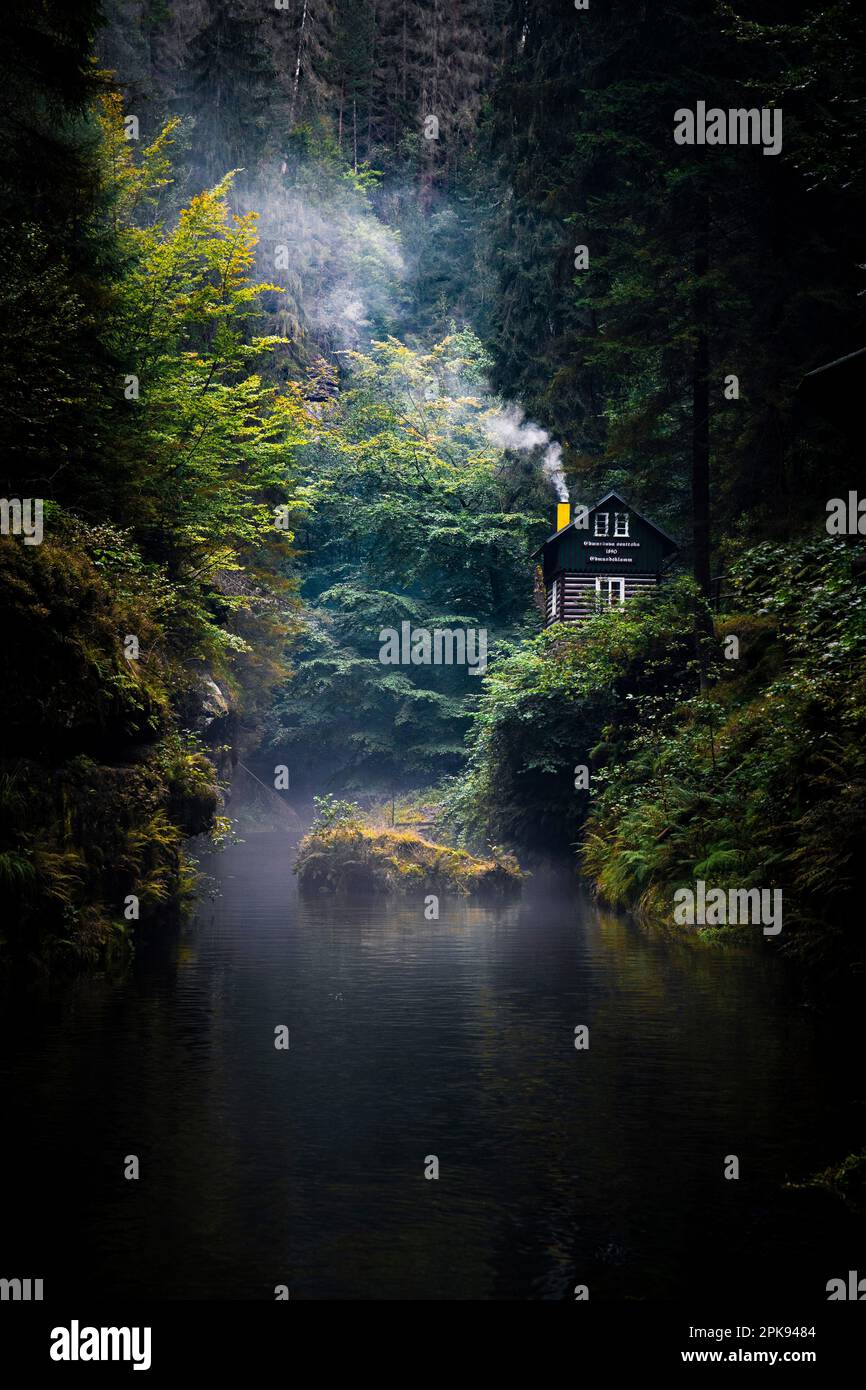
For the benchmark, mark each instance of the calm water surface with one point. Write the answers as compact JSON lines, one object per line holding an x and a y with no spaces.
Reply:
{"x":409,"y":1038}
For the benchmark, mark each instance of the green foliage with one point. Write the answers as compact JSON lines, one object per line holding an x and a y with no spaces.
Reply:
{"x":331,"y":812}
{"x":555,"y":702}
{"x":765,"y":780}
{"x":414,"y":516}
{"x":161,"y":526}
{"x":217,"y":441}
{"x":69,"y":603}
{"x":760,"y":781}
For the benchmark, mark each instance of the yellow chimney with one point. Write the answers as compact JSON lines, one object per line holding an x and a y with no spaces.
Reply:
{"x":563,"y":514}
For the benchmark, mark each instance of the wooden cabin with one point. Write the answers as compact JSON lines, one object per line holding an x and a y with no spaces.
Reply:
{"x":616,"y":554}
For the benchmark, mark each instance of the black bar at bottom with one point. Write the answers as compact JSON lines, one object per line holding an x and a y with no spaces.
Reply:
{"x":228,"y":1339}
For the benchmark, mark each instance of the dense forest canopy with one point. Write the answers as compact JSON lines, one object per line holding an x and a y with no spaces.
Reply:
{"x":304,"y":306}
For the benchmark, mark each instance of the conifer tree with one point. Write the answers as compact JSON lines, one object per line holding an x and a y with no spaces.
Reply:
{"x":227,"y":89}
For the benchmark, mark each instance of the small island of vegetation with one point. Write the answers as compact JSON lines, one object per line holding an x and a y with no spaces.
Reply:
{"x":345,"y":851}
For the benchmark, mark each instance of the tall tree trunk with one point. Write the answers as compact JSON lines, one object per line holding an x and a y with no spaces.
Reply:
{"x":701,"y":437}
{"x":372,"y":88}
{"x":301,"y":37}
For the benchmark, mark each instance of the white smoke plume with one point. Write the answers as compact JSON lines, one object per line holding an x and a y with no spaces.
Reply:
{"x":510,"y":429}
{"x":341,"y":269}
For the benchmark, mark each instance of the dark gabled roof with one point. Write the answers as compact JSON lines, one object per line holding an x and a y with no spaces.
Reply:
{"x":600,"y":503}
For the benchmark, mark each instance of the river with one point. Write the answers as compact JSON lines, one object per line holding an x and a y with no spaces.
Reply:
{"x":408,"y":1039}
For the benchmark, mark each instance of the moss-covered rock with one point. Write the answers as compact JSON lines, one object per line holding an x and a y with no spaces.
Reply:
{"x":350,"y":856}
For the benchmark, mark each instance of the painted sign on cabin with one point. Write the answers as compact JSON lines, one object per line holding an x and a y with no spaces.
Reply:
{"x":617,"y":553}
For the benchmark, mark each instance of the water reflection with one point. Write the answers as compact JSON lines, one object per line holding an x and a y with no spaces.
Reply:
{"x":411,"y":1038}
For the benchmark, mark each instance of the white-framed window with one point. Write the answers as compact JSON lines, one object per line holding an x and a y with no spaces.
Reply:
{"x":620,"y":524}
{"x":602,"y":523}
{"x":609,"y":590}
